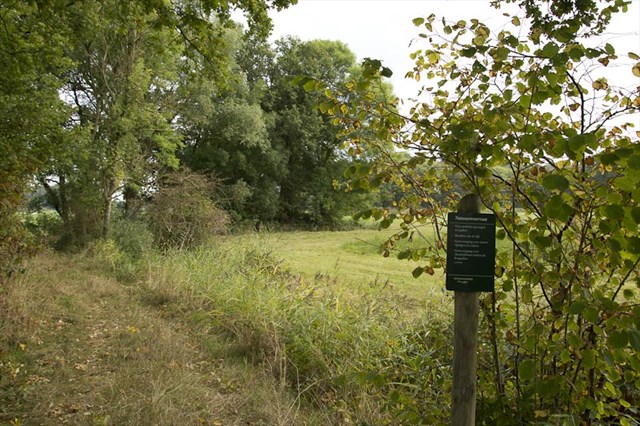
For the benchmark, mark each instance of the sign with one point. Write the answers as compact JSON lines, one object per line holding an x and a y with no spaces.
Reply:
{"x":471,"y":252}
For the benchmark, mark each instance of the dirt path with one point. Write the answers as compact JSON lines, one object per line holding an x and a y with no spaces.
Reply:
{"x":81,"y":349}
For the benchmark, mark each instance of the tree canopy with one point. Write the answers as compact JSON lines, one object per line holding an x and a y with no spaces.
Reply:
{"x":90,"y":91}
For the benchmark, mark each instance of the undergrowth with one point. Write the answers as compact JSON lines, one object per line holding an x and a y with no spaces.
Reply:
{"x":356,"y":354}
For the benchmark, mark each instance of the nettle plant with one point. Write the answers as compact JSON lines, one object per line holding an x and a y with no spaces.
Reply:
{"x":529,"y":118}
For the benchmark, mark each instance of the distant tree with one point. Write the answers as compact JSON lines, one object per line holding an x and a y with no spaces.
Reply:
{"x":226,"y":133}
{"x":305,"y":136}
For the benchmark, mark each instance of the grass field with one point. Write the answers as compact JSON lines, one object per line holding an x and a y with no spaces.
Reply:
{"x":353,"y":258}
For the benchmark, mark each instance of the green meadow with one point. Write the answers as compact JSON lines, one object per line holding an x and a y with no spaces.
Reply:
{"x":353,"y":259}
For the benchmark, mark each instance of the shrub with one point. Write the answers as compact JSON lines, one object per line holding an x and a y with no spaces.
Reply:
{"x":183,"y":213}
{"x":16,"y":244}
{"x":44,"y":225}
{"x":132,"y":237}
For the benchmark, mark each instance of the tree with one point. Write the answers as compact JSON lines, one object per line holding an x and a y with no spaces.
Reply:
{"x":226,"y":134}
{"x":265,"y":133}
{"x":129,"y":61}
{"x":531,"y":124}
{"x":31,"y":111}
{"x":305,"y":136}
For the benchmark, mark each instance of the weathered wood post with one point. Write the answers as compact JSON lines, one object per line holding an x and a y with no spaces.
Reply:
{"x":470,"y":269}
{"x":465,"y":350}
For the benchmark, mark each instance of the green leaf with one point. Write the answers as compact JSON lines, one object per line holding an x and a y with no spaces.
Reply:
{"x":591,"y":314}
{"x":555,"y":182}
{"x":527,"y":369}
{"x":550,"y":50}
{"x":634,"y":162}
{"x":588,"y":358}
{"x":417,"y":272}
{"x":309,"y":85}
{"x":386,"y":72}
{"x":634,"y":361}
{"x":635,"y":214}
{"x":609,"y":158}
{"x":609,"y":49}
{"x":633,"y":244}
{"x":557,"y":209}
{"x":613,"y":211}
{"x":524,"y":101}
{"x":577,"y":307}
{"x":479,"y":40}
{"x":618,"y":339}
{"x":469,"y":52}
{"x":418,"y":21}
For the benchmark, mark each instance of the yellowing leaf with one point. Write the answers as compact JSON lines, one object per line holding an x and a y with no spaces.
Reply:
{"x":636,"y":69}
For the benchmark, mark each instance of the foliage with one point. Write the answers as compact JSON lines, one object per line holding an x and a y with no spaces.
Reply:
{"x":133,"y":238}
{"x":90,"y":90}
{"x":268,"y":133}
{"x":183,"y":213}
{"x":30,"y":60}
{"x":44,"y":225}
{"x":306,"y":137}
{"x":227,"y":134}
{"x":532,"y":125}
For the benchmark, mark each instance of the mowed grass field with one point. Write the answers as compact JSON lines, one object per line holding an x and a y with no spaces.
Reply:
{"x":353,"y":259}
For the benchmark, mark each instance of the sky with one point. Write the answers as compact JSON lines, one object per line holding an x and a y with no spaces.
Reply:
{"x":382,"y":29}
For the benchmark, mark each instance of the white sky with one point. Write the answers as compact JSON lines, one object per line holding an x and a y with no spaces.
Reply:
{"x":382,"y":29}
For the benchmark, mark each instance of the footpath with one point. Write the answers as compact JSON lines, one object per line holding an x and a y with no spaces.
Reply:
{"x":79,"y":348}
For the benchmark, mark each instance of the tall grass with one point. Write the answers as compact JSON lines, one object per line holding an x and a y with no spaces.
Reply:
{"x":357,"y":355}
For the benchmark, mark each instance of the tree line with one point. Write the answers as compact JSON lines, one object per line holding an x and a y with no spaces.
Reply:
{"x":102,"y":99}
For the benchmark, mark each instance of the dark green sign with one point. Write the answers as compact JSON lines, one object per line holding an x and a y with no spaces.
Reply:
{"x":471,"y":252}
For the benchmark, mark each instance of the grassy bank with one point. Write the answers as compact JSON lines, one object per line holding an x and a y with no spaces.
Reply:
{"x":331,"y":331}
{"x":364,"y":359}
{"x":78,"y":347}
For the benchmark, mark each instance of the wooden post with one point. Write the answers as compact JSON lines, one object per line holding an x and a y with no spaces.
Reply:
{"x":465,"y":343}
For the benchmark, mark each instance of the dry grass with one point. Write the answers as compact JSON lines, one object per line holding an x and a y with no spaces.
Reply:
{"x":79,"y":348}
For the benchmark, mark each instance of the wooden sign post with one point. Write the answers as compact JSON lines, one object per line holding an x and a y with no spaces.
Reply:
{"x":470,"y":269}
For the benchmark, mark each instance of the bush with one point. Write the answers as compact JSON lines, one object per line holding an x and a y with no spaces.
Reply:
{"x":132,"y":237}
{"x":16,"y":244}
{"x":183,"y":213}
{"x":44,"y":225}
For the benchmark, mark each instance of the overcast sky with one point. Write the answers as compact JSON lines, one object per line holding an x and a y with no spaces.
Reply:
{"x":382,"y":29}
